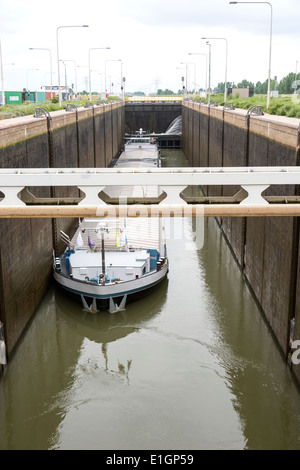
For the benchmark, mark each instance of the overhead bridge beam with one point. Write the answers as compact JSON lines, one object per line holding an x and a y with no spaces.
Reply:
{"x":141,"y":210}
{"x":170,"y":181}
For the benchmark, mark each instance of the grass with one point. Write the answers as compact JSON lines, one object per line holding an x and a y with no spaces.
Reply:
{"x":28,"y":108}
{"x":285,"y":105}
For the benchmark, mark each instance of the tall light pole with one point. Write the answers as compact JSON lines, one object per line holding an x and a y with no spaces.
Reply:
{"x":192,"y":63}
{"x":209,"y":70}
{"x":60,"y":27}
{"x":296,"y":77}
{"x":49,"y":50}
{"x":70,"y":60}
{"x":86,"y":78}
{"x":121,"y":86}
{"x":92,"y":49}
{"x":182,"y":78}
{"x":109,"y":60}
{"x":27,"y":72}
{"x":270,"y":51}
{"x":2,"y":77}
{"x":224,"y":39}
{"x":186,"y":76}
{"x":202,"y":53}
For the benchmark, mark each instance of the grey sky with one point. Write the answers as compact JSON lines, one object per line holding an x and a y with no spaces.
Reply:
{"x":151,"y":38}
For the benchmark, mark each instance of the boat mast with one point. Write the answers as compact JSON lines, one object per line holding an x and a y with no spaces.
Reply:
{"x":103,"y":228}
{"x":103,"y":256}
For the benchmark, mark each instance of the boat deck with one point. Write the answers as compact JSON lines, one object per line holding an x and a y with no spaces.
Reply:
{"x":137,"y":154}
{"x":141,"y":233}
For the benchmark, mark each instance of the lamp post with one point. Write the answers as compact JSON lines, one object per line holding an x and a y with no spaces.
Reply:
{"x":109,"y":60}
{"x":60,"y":27}
{"x":91,"y":49}
{"x":192,"y":63}
{"x":70,"y":60}
{"x":270,"y":51}
{"x":295,"y":91}
{"x":86,"y":78}
{"x":202,"y":53}
{"x":121,"y":86}
{"x":182,"y":78}
{"x":2,"y":76}
{"x":225,"y":84}
{"x":209,"y":70}
{"x":49,"y":50}
{"x":27,"y":72}
{"x":186,"y":77}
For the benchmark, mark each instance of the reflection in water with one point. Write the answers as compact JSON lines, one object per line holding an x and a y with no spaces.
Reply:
{"x":106,"y":328}
{"x":192,"y":366}
{"x":265,"y":396}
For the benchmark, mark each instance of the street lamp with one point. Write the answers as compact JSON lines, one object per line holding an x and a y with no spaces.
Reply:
{"x":224,"y":39}
{"x":27,"y":71}
{"x":109,"y":60}
{"x":270,"y":52}
{"x":121,"y":86}
{"x":85,"y":78}
{"x":200,"y":53}
{"x":192,"y":63}
{"x":182,"y":78}
{"x":91,"y":49}
{"x":60,"y":27}
{"x":2,"y":76}
{"x":209,"y":70}
{"x":43,"y":49}
{"x":186,"y":77}
{"x":70,"y":60}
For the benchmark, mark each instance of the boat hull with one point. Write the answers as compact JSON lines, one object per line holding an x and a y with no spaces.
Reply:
{"x":133,"y":290}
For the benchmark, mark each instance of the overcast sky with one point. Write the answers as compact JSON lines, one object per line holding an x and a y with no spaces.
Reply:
{"x":151,"y":38}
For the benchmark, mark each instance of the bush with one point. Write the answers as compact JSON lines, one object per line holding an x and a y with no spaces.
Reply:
{"x":292,"y":112}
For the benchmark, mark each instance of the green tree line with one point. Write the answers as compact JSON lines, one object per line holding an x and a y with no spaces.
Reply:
{"x":286,"y":86}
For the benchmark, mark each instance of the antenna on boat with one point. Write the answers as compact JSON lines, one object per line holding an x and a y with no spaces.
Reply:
{"x":103,"y":228}
{"x":65,"y":238}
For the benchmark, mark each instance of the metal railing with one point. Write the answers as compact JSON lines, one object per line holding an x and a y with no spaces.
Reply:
{"x":171,"y":181}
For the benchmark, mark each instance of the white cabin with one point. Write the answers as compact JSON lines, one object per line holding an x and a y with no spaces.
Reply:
{"x":122,"y":266}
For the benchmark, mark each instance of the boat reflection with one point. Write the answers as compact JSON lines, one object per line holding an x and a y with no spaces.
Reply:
{"x":105,"y":327}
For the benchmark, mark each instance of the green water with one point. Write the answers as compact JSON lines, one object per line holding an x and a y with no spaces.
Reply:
{"x":193,"y":366}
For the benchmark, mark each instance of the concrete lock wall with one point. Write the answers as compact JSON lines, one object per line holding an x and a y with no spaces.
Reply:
{"x":266,"y":249}
{"x":91,"y":137}
{"x":151,"y":117}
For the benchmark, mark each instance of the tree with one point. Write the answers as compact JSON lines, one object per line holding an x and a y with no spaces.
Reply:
{"x":261,"y":88}
{"x":220,"y":87}
{"x":165,"y":92}
{"x":286,"y":85}
{"x":245,"y":84}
